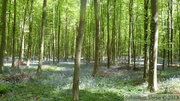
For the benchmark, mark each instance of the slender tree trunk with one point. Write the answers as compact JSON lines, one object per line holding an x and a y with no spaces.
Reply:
{"x":39,"y":69}
{"x":130,"y":30}
{"x":8,"y":40}
{"x":119,"y":31}
{"x":53,"y":31}
{"x":153,"y":47}
{"x":59,"y":31}
{"x":172,"y":29}
{"x":30,"y":34}
{"x":164,"y":37}
{"x":114,"y":35}
{"x":14,"y":34}
{"x":146,"y":52}
{"x":21,"y":52}
{"x":96,"y":63}
{"x":168,"y":30}
{"x":3,"y":37}
{"x":108,"y":40}
{"x":79,"y":41}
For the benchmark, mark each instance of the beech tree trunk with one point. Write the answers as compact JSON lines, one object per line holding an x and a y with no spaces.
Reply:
{"x":153,"y":47}
{"x":108,"y":37}
{"x":146,"y":52}
{"x":96,"y":62}
{"x":3,"y":37}
{"x":130,"y":30}
{"x":30,"y":34}
{"x":79,"y":41}
{"x":39,"y":69}
{"x":14,"y":34}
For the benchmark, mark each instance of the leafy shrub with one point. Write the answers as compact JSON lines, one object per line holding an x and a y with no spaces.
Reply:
{"x":3,"y":88}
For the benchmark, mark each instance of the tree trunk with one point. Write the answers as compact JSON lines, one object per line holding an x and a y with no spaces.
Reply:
{"x":79,"y":41}
{"x":8,"y":46}
{"x":108,"y":37}
{"x":30,"y":34}
{"x":153,"y":47}
{"x":39,"y":69}
{"x":21,"y":52}
{"x":130,"y":30}
{"x":14,"y":34}
{"x":146,"y":53}
{"x":114,"y":35}
{"x":53,"y":31}
{"x":96,"y":62}
{"x":59,"y":31}
{"x":172,"y":29}
{"x":168,"y":31}
{"x":3,"y":37}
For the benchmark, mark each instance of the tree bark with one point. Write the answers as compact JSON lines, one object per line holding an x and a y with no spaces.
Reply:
{"x":39,"y":69}
{"x":14,"y":34}
{"x":130,"y":30}
{"x":146,"y":53}
{"x":21,"y":52}
{"x":3,"y":37}
{"x":79,"y":41}
{"x":153,"y":47}
{"x":30,"y":34}
{"x":108,"y":37}
{"x":59,"y":31}
{"x":96,"y":62}
{"x":114,"y":35}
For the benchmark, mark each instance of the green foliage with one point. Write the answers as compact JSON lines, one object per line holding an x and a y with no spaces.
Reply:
{"x":3,"y":88}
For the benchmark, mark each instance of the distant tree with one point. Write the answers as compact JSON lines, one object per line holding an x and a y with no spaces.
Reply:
{"x":39,"y":69}
{"x":152,"y":85}
{"x":3,"y":37}
{"x":79,"y":41}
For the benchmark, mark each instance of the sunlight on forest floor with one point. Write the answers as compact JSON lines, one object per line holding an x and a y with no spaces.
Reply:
{"x":55,"y":83}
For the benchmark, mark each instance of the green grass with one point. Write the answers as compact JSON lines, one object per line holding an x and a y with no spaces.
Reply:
{"x":55,"y":84}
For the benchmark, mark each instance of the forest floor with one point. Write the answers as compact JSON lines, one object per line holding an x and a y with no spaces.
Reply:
{"x":55,"y":83}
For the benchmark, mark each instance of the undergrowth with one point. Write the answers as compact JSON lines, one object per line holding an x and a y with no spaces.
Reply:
{"x":55,"y":84}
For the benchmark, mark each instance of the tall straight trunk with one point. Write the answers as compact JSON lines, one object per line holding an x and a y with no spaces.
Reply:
{"x":30,"y":34}
{"x":8,"y":40}
{"x":130,"y":30}
{"x":3,"y":37}
{"x":114,"y":35}
{"x":39,"y":69}
{"x":119,"y":32}
{"x":59,"y":31}
{"x":96,"y":62}
{"x":108,"y":37}
{"x":164,"y":37}
{"x":178,"y":21}
{"x":53,"y":31}
{"x":21,"y":52}
{"x":146,"y":52}
{"x":79,"y":41}
{"x":66,"y":41}
{"x":172,"y":29}
{"x":168,"y":30}
{"x":152,"y":85}
{"x":14,"y":34}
